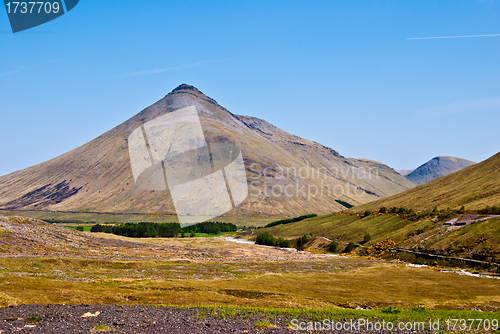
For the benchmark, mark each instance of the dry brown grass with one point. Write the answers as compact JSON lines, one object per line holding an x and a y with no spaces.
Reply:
{"x":204,"y":271}
{"x":336,"y":283}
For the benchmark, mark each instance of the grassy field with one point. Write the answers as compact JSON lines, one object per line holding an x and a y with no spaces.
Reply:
{"x":338,"y":289}
{"x":336,"y":283}
{"x":222,"y":278}
{"x":130,"y":218}
{"x":85,"y":228}
{"x":475,"y":187}
{"x":418,"y":318}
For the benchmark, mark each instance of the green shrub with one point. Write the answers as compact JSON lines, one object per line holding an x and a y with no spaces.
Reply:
{"x":267,"y":239}
{"x":300,"y":244}
{"x":350,"y":247}
{"x":333,"y":247}
{"x":367,"y":237}
{"x":33,"y":318}
{"x":264,"y":324}
{"x":495,"y":210}
{"x":285,"y":243}
{"x":391,"y":310}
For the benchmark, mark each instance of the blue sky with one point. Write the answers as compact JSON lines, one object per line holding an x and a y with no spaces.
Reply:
{"x":343,"y":73}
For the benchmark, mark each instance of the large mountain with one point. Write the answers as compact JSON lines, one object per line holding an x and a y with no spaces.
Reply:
{"x":437,"y":167}
{"x":97,"y":176}
{"x":475,"y":187}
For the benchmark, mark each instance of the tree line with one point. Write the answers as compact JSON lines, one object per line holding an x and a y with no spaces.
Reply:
{"x":141,"y":230}
{"x":290,"y":220}
{"x":268,"y":239}
{"x":210,"y":228}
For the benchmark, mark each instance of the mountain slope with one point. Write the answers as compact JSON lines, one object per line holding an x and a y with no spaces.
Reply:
{"x":476,"y":187}
{"x":404,"y":172}
{"x":479,"y":241}
{"x":97,"y":176}
{"x":437,"y":167}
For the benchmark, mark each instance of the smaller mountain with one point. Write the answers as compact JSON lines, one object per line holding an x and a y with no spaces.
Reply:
{"x":437,"y":167}
{"x":404,"y":172}
{"x":475,"y":187}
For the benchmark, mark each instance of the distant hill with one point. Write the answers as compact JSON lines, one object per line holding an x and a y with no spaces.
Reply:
{"x":404,"y":172}
{"x":479,"y":241}
{"x":437,"y":167}
{"x":97,"y":176}
{"x":475,"y":187}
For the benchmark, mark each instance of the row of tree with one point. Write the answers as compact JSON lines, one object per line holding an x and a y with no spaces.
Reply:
{"x":141,"y":230}
{"x":290,"y":220}
{"x":267,"y":239}
{"x":494,"y":210}
{"x":412,"y":214}
{"x":210,"y":228}
{"x":67,"y":221}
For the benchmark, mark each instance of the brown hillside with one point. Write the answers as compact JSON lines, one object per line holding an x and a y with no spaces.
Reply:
{"x":97,"y":177}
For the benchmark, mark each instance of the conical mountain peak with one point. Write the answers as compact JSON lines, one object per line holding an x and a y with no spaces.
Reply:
{"x":185,"y":89}
{"x":98,"y":176}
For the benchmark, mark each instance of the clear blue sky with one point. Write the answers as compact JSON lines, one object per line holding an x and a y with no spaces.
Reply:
{"x":343,"y":73}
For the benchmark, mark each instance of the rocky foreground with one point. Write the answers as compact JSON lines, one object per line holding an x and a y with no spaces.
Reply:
{"x":119,"y":319}
{"x":72,"y":319}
